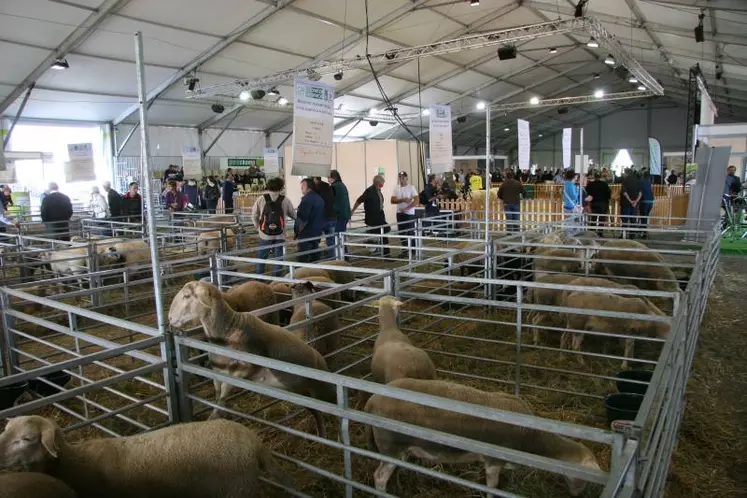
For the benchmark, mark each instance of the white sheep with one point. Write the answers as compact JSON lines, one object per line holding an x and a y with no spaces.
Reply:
{"x":246,"y":332}
{"x":209,"y":242}
{"x":338,"y":276}
{"x":611,"y":302}
{"x":317,"y":329}
{"x":624,"y":269}
{"x":251,"y":296}
{"x":394,"y":356}
{"x":33,"y":485}
{"x":400,"y":446}
{"x":215,"y":459}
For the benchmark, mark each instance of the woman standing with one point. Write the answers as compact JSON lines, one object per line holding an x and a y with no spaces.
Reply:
{"x":571,"y":202}
{"x":97,"y":204}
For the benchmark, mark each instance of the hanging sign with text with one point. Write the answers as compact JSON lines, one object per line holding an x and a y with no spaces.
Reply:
{"x":191,"y":162}
{"x":440,"y":148}
{"x":567,"y":137}
{"x":524,"y":143}
{"x":313,"y":127}
{"x":80,"y":168}
{"x":272,"y":162}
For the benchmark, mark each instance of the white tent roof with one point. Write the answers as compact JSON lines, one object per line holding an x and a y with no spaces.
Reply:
{"x":224,"y":40}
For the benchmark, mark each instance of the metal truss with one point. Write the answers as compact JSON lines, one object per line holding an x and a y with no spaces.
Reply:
{"x":383,"y":116}
{"x":477,"y":41}
{"x":584,"y":99}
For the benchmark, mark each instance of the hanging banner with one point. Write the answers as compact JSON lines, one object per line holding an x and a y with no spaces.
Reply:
{"x":80,"y":168}
{"x":272,"y":162}
{"x":567,"y":138}
{"x":313,"y":126}
{"x":524,"y":143}
{"x":191,"y":162}
{"x":654,"y":151}
{"x":441,"y":151}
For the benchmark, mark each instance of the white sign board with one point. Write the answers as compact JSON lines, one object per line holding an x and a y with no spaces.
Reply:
{"x":581,"y":164}
{"x":272,"y":162}
{"x":441,"y":151}
{"x":191,"y":162}
{"x":567,"y":137}
{"x":313,"y":126}
{"x":80,"y":168}
{"x":524,"y":143}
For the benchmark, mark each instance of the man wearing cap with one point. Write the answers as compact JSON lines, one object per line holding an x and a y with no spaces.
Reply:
{"x":373,"y":208}
{"x":405,"y":197}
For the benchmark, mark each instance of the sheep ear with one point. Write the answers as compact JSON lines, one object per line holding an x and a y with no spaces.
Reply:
{"x":49,"y":439}
{"x":397,"y":304}
{"x":202,"y":293}
{"x":309,"y":285}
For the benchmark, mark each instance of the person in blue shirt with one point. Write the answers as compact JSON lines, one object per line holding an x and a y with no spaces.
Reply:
{"x":647,"y":201}
{"x":571,"y":201}
{"x":309,"y":222}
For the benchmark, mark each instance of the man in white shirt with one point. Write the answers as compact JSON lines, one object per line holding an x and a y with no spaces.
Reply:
{"x":405,"y":197}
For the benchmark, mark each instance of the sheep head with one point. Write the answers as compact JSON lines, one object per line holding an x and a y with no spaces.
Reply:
{"x":195,"y":301}
{"x":302,"y":289}
{"x":588,"y":460}
{"x":29,"y":442}
{"x":389,"y":302}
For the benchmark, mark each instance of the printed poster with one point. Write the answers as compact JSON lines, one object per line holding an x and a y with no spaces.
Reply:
{"x":567,"y":137}
{"x":80,"y":168}
{"x":524,"y":144}
{"x":654,"y":150}
{"x":440,"y":148}
{"x":191,"y":162}
{"x":271,"y":162}
{"x":313,"y":126}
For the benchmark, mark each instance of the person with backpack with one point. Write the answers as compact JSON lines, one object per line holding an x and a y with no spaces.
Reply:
{"x":268,"y":216}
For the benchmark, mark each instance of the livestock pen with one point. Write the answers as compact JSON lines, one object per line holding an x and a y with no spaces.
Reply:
{"x":128,"y":377}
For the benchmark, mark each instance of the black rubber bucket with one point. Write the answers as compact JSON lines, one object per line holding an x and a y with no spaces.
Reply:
{"x":631,"y":387}
{"x":622,"y":406}
{"x":9,"y":394}
{"x":60,"y":378}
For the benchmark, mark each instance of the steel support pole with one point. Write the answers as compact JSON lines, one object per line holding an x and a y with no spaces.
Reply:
{"x":120,"y":147}
{"x":487,"y":173}
{"x":18,"y":115}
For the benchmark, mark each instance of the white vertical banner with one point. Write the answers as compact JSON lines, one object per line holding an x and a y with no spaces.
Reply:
{"x":441,"y":151}
{"x":272,"y":163}
{"x":313,"y":127}
{"x":524,"y":143}
{"x":191,"y":162}
{"x":654,"y":155}
{"x":567,"y":138}
{"x":80,"y":168}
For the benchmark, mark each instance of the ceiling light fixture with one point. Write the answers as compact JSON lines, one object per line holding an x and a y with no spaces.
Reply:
{"x":474,"y":3}
{"x":426,"y":112}
{"x":462,"y":119}
{"x":579,"y":11}
{"x":506,"y":129}
{"x":609,"y":60}
{"x":633,"y":80}
{"x":245,"y":95}
{"x":282,"y":101}
{"x":540,"y":135}
{"x":534,"y":100}
{"x":641,"y":88}
{"x":592,"y":43}
{"x":191,"y":83}
{"x":596,"y":76}
{"x":338,"y":76}
{"x":373,"y":123}
{"x":553,"y":50}
{"x":258,"y":94}
{"x":60,"y":64}
{"x":372,"y":111}
{"x":273,"y":91}
{"x":481,"y":106}
{"x":599,"y":94}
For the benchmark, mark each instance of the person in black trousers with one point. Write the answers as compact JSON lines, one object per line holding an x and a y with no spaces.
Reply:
{"x":373,"y":208}
{"x":405,"y":197}
{"x":228,"y":189}
{"x":600,"y":202}
{"x":211,"y":194}
{"x":56,"y":211}
{"x":114,"y":200}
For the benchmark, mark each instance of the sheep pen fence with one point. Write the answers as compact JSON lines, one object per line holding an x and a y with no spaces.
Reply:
{"x":122,"y":376}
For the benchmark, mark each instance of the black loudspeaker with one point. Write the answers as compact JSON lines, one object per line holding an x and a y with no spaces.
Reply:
{"x":506,"y":53}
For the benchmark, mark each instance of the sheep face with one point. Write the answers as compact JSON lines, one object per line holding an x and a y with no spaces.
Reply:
{"x":577,"y":486}
{"x":194,"y":301}
{"x":302,"y":289}
{"x":28,"y":442}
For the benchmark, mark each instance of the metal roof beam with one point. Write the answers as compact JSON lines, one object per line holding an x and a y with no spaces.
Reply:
{"x":74,"y":39}
{"x":732,"y":5}
{"x":242,"y":30}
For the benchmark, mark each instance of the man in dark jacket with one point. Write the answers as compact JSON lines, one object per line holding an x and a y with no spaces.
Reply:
{"x":600,"y":201}
{"x":228,"y":189}
{"x":56,"y":211}
{"x":330,"y":218}
{"x":114,"y":200}
{"x":510,"y":193}
{"x":342,"y":202}
{"x":211,"y":194}
{"x":373,"y":208}
{"x":630,"y":196}
{"x":132,"y":204}
{"x":309,"y":222}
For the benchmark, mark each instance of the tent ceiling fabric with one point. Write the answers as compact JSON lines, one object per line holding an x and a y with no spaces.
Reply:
{"x":101,"y":86}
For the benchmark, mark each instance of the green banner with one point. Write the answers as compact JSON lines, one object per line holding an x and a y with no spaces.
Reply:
{"x":245,"y":162}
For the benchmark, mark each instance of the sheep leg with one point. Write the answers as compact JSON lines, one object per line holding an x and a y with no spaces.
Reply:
{"x":225,"y":391}
{"x":628,"y":352}
{"x":492,"y":473}
{"x":576,"y":341}
{"x":321,"y":430}
{"x":534,"y":319}
{"x":382,"y":475}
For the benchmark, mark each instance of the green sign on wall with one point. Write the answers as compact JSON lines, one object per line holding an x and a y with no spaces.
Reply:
{"x":245,"y":162}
